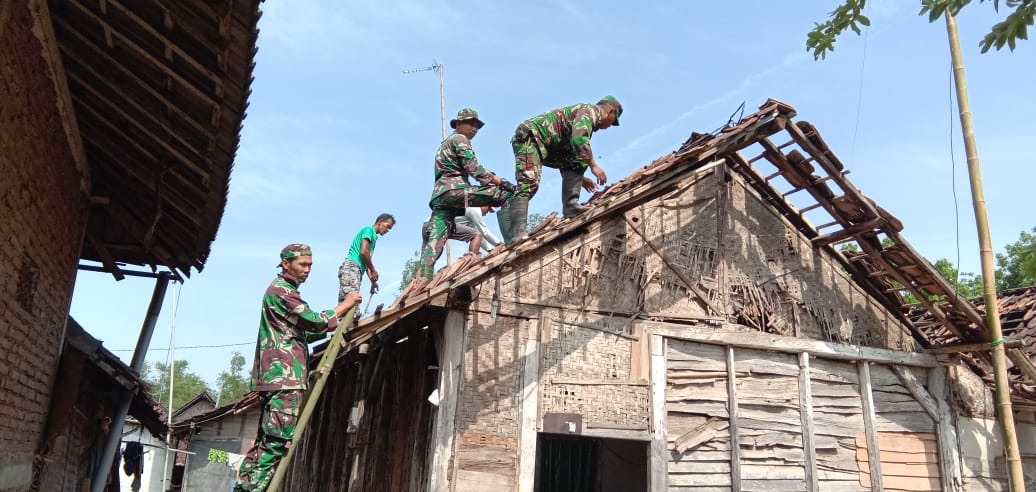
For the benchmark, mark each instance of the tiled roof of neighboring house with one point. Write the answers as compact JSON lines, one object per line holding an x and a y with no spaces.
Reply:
{"x":1017,"y":309}
{"x":159,"y":91}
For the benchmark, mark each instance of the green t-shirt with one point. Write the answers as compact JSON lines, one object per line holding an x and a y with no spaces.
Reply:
{"x":354,"y":250}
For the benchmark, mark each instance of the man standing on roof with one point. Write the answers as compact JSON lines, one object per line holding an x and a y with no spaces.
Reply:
{"x":454,"y":162}
{"x":558,"y":139}
{"x":286,"y":326}
{"x":472,"y":218}
{"x":350,"y":274}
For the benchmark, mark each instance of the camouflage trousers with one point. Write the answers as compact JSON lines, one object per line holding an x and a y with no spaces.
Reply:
{"x":349,"y":278}
{"x":444,"y":208}
{"x":530,"y":155}
{"x":276,"y":429}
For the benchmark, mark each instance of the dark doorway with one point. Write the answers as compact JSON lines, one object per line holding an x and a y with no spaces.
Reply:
{"x":588,"y":464}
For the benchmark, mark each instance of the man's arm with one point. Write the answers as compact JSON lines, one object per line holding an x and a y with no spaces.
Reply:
{"x":365,"y":255}
{"x":468,"y":162}
{"x":306,"y":320}
{"x":583,"y":122}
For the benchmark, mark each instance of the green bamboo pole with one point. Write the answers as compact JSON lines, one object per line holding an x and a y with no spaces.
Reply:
{"x":327,"y":361}
{"x":996,"y":336}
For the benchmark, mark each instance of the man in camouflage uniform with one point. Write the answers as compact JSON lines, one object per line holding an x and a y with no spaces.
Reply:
{"x":454,"y":163}
{"x":558,"y":139}
{"x":286,"y":326}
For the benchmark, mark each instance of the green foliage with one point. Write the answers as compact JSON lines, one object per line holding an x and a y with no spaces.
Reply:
{"x":967,"y":284}
{"x":533,"y":221}
{"x":849,"y":15}
{"x":233,"y":384}
{"x":1017,"y":265}
{"x":409,"y":271}
{"x":186,"y":384}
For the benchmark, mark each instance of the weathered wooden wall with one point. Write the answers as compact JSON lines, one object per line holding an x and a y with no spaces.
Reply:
{"x":769,"y":426}
{"x":371,"y":429}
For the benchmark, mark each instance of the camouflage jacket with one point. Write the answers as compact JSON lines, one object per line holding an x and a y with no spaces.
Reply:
{"x":454,"y":163}
{"x":286,"y":328}
{"x":568,"y":130}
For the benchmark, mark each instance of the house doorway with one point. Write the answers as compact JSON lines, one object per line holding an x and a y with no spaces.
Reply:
{"x":590,"y":464}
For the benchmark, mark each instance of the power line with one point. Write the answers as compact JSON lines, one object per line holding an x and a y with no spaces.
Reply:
{"x":189,"y":347}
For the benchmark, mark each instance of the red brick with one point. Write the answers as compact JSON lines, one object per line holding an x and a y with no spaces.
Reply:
{"x":43,"y":216}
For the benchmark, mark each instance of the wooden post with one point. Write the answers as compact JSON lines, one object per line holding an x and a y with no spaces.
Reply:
{"x":659,"y":459}
{"x":735,"y":446}
{"x":809,"y":450}
{"x":863,"y":368}
{"x":996,"y":336}
{"x":946,"y":430}
{"x":530,"y":416}
{"x":451,"y":368}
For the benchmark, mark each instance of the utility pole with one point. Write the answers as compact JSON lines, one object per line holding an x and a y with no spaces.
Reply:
{"x":996,"y":336}
{"x":437,"y":68}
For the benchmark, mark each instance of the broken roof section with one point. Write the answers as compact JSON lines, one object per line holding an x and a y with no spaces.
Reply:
{"x":1017,"y":320}
{"x":799,"y":164}
{"x":159,"y":91}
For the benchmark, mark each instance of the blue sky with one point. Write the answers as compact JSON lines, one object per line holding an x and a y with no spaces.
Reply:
{"x":336,"y":134}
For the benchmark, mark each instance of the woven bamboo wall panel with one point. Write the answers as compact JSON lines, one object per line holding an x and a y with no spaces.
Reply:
{"x":492,"y":375}
{"x":572,"y":350}
{"x":625,"y":405}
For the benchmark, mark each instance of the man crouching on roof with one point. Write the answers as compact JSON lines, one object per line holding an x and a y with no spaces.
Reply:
{"x":286,"y":326}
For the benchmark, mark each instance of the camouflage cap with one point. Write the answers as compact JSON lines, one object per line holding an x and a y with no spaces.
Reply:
{"x":614,"y":103}
{"x":295,"y":250}
{"x":466,"y":114}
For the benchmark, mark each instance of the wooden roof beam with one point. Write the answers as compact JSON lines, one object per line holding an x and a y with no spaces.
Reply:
{"x":876,"y":256}
{"x":84,"y":42}
{"x":106,"y":258}
{"x":170,"y":46}
{"x":175,"y":75}
{"x":160,"y":140}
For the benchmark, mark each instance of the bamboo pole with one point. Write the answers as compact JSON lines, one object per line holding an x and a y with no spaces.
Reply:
{"x":327,"y":361}
{"x":1003,"y":391}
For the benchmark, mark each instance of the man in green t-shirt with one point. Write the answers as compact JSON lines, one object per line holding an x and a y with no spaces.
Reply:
{"x":350,"y":274}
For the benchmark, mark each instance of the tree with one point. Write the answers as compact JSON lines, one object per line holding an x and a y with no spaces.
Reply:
{"x":533,"y":221}
{"x":232,"y":385}
{"x":186,"y":384}
{"x":967,"y":284}
{"x":1016,"y":267}
{"x":409,"y":271}
{"x":849,"y":15}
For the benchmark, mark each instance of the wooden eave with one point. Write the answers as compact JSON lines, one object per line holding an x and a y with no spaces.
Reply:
{"x":159,"y":90}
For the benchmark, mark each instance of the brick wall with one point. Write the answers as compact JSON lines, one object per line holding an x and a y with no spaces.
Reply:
{"x":42,"y":218}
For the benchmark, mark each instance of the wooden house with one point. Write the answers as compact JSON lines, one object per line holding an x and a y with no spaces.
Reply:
{"x":699,"y":328}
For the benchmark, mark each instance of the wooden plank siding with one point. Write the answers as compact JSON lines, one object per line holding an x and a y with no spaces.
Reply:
{"x":771,"y":416}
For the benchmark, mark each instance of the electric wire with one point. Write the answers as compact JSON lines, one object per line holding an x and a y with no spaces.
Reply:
{"x":953,"y":186}
{"x":155,"y":349}
{"x":859,"y":102}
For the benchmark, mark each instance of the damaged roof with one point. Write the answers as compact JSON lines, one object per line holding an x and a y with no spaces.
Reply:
{"x":159,"y":91}
{"x":1017,"y":309}
{"x":800,"y":164}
